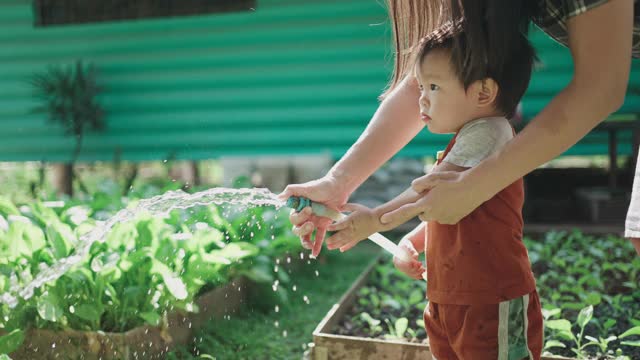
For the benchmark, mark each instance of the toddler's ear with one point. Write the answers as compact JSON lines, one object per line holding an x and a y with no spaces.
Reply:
{"x":487,"y":92}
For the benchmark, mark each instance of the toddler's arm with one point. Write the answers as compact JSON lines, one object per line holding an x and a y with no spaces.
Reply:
{"x":414,"y":244}
{"x":364,"y":221}
{"x":410,"y":197}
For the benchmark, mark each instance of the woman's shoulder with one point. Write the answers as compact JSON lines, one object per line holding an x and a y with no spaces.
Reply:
{"x":561,"y":10}
{"x":552,"y":16}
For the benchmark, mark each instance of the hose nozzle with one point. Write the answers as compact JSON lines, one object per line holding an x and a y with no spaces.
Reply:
{"x":298,"y":203}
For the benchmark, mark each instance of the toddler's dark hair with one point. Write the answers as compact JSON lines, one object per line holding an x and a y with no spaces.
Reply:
{"x":511,"y":71}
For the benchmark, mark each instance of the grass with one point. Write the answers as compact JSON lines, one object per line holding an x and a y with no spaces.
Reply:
{"x":282,"y":334}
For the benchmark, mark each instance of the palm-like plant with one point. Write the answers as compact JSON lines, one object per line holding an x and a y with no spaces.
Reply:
{"x":69,"y":96}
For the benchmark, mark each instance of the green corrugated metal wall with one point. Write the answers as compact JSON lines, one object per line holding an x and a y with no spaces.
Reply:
{"x":291,"y":77}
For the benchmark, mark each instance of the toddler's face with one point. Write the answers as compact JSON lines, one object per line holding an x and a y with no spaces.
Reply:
{"x":444,"y":105}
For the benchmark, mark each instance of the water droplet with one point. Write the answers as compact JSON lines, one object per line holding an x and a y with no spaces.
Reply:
{"x":284,"y":333}
{"x":277,"y":323}
{"x":275,"y":268}
{"x":294,"y":288}
{"x":317,"y":273}
{"x":277,"y":308}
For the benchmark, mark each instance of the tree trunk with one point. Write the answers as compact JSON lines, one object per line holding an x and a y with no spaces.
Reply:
{"x":195,"y":172}
{"x":63,"y":178}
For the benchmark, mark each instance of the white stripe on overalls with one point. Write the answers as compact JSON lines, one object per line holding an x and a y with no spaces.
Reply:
{"x":503,"y":331}
{"x":503,"y":328}
{"x":525,"y":310}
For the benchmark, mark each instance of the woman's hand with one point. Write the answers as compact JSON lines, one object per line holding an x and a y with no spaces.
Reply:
{"x":326,"y":190}
{"x":448,"y":197}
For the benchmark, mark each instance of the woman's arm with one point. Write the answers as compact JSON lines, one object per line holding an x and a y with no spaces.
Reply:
{"x":394,"y":124}
{"x":600,"y":41}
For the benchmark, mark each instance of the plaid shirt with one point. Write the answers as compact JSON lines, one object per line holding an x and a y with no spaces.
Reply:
{"x":554,"y":14}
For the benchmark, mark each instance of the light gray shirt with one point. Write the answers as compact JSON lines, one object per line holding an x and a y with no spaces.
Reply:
{"x":478,"y":139}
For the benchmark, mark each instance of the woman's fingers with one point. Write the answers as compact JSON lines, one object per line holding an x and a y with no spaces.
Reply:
{"x":304,"y":229}
{"x":321,"y":224}
{"x":317,"y":244}
{"x":403,"y":213}
{"x":297,"y":218}
{"x":351,"y":207}
{"x":340,"y":224}
{"x":431,"y":180}
{"x":294,"y":190}
{"x":306,"y":242}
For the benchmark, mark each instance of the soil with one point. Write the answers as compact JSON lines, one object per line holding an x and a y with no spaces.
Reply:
{"x":351,"y":325}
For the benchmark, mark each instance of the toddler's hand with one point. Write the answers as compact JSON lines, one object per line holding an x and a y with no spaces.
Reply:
{"x":413,"y":268}
{"x":354,"y":228}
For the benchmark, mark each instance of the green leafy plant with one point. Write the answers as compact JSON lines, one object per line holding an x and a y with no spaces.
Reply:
{"x":573,"y":271}
{"x":10,"y":342}
{"x":143,"y":269}
{"x":635,"y":331}
{"x":398,"y":329}
{"x":374,"y":324}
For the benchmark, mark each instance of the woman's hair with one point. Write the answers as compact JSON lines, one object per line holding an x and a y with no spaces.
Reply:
{"x":492,"y":28}
{"x":512,"y":73}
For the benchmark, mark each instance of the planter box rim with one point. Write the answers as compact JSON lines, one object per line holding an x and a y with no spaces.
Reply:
{"x":322,"y":336}
{"x":177,"y":330}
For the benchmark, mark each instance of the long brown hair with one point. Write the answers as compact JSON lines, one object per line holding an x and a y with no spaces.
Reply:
{"x":493,"y":29}
{"x":411,"y":20}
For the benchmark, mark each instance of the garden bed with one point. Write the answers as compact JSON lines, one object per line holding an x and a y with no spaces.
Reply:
{"x":143,"y":342}
{"x":329,"y":345}
{"x":355,"y":327}
{"x":141,"y":290}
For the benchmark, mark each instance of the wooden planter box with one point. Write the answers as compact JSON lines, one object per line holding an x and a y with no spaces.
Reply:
{"x":328,"y":346}
{"x":145,"y":342}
